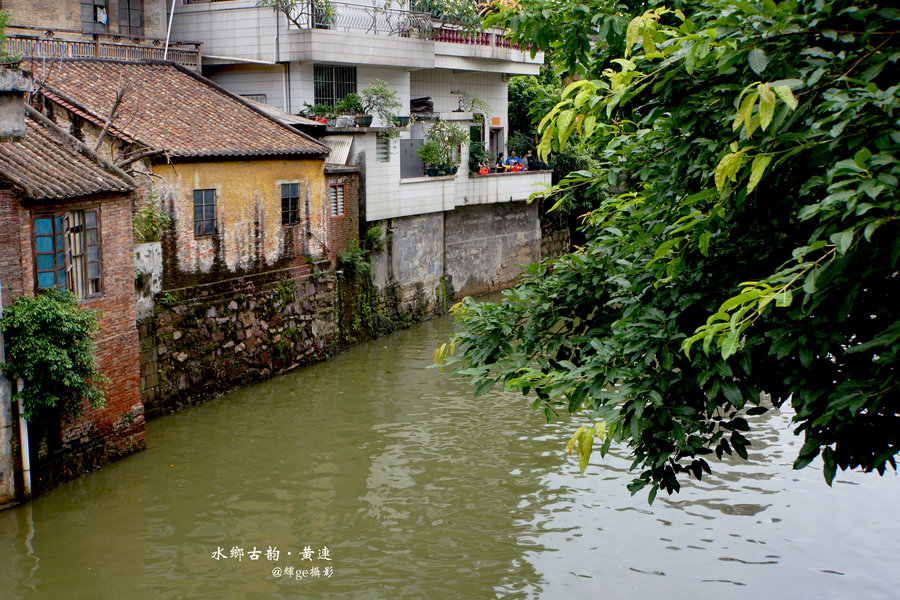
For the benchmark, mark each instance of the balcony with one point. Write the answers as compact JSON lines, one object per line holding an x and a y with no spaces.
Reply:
{"x":56,"y":43}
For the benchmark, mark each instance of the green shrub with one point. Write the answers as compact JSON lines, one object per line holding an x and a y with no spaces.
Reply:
{"x":151,"y":222}
{"x":50,"y":345}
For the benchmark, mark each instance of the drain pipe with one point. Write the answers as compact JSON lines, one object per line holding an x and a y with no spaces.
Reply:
{"x":169,"y":30}
{"x":23,"y":435}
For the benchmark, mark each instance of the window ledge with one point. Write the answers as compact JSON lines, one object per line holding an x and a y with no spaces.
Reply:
{"x":426,"y":178}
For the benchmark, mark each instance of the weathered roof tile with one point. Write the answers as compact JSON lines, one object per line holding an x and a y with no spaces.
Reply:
{"x":169,"y":108}
{"x":46,"y":165}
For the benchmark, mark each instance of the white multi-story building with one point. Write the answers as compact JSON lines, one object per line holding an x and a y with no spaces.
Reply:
{"x":476,"y":229}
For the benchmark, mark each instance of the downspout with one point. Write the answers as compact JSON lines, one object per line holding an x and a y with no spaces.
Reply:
{"x":23,"y":435}
{"x":169,"y":30}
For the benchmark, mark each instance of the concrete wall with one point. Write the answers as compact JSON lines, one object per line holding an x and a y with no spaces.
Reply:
{"x":487,"y":246}
{"x":13,"y":85}
{"x":476,"y":249}
{"x":148,"y":272}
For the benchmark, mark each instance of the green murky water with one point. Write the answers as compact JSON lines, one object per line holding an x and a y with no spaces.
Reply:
{"x":417,"y":490}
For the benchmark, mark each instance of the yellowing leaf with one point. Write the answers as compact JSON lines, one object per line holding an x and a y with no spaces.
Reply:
{"x":590,"y":122}
{"x":757,"y":168}
{"x":632,"y":34}
{"x":766,"y":105}
{"x":746,"y":109}
{"x":722,"y":172}
{"x":786,"y":95}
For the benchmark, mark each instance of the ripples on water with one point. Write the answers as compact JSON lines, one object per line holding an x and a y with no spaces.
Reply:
{"x":421,"y":491}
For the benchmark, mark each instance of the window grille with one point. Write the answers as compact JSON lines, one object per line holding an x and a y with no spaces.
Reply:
{"x":331,"y":83}
{"x":261,"y":98}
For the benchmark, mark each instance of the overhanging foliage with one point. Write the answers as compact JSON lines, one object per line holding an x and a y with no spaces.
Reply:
{"x":754,"y":249}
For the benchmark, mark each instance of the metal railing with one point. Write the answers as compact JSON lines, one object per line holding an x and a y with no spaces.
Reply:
{"x":55,"y":48}
{"x":339,"y":16}
{"x":383,"y":20}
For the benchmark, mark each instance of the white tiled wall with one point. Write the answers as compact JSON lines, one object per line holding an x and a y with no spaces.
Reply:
{"x":253,"y":79}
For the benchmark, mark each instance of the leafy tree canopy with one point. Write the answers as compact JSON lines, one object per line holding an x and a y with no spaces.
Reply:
{"x":746,"y":241}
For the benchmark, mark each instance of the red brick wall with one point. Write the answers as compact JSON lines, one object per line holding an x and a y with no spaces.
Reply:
{"x":101,"y":434}
{"x":342,"y":230}
{"x":10,"y":261}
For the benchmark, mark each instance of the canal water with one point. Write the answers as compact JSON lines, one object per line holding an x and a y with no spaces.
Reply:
{"x":373,"y":477}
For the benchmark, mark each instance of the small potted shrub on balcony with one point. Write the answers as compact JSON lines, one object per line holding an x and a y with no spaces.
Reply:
{"x":431,"y":155}
{"x":319,"y":112}
{"x":442,"y":141}
{"x":349,"y":107}
{"x":379,"y":99}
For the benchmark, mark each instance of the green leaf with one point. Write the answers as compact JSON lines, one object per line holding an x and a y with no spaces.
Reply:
{"x":730,"y":343}
{"x":758,"y":60}
{"x":784,"y":298}
{"x":484,"y":387}
{"x":842,"y":240}
{"x":829,"y":466}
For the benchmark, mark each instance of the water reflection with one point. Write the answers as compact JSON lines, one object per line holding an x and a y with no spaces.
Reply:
{"x":421,"y":491}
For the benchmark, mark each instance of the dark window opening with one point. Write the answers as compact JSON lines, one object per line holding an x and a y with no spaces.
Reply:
{"x":290,"y":203}
{"x":131,"y":17}
{"x":204,"y":212}
{"x":94,"y":16}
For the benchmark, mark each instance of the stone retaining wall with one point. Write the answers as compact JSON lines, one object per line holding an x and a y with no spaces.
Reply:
{"x":205,"y":340}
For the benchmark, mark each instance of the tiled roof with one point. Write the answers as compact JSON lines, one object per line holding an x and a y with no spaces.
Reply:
{"x":48,"y":164}
{"x":166,"y":107}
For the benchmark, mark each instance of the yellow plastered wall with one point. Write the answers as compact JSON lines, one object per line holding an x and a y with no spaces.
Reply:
{"x":248,"y":209}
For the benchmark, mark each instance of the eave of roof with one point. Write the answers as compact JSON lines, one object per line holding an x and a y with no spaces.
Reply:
{"x":219,"y":104}
{"x":48,"y":164}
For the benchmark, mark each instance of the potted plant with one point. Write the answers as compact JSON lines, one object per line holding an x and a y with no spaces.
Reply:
{"x":440,"y":147}
{"x":319,"y":112}
{"x":478,"y":157}
{"x":350,"y":106}
{"x":431,"y":154}
{"x":379,"y":99}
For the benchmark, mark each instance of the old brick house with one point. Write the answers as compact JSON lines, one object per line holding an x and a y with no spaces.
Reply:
{"x":247,"y":287}
{"x":66,"y":223}
{"x":246,"y":192}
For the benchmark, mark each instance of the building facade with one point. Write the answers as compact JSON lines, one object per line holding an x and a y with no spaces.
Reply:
{"x":67,"y":224}
{"x":317,"y":58}
{"x":120,"y":29}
